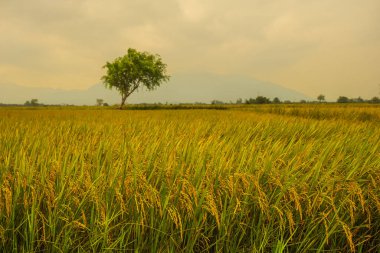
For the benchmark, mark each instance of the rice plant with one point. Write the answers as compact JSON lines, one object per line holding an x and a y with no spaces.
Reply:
{"x":249,"y":179}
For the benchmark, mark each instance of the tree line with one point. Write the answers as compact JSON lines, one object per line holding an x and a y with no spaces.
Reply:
{"x":276,"y":100}
{"x":343,"y":99}
{"x":240,"y":101}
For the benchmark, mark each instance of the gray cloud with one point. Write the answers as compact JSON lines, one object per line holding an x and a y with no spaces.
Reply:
{"x":322,"y":46}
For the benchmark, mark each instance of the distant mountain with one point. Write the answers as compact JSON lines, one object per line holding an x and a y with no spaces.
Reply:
{"x":182,"y":88}
{"x":187,"y":88}
{"x":16,"y":94}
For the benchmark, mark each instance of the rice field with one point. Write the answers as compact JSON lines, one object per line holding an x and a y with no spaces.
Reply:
{"x":245,"y":179}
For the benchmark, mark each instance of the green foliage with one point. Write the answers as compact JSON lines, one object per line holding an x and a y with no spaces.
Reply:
{"x":99,"y":102}
{"x":343,"y":99}
{"x":321,"y":98}
{"x":217,"y":102}
{"x":32,"y":102}
{"x":262,"y":100}
{"x":134,"y":70}
{"x":258,"y":100}
{"x":375,"y":100}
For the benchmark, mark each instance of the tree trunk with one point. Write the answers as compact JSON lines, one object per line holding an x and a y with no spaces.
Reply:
{"x":123,"y":99}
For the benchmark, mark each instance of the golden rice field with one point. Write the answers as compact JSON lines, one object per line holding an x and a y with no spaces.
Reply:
{"x":245,"y":179}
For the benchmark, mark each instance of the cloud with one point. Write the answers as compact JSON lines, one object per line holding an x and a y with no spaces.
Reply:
{"x":295,"y":43}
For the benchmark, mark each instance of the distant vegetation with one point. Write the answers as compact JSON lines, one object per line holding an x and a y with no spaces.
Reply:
{"x":343,"y":99}
{"x":99,"y":102}
{"x":276,"y":100}
{"x":240,"y":101}
{"x":321,"y":98}
{"x":33,"y":102}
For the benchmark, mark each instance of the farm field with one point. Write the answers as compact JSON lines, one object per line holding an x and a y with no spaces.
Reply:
{"x":271,"y":178}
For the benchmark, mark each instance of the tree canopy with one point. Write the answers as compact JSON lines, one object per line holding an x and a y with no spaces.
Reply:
{"x":321,"y":97}
{"x":133,"y":71}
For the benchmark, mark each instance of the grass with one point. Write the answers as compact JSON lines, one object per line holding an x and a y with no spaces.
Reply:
{"x":246,"y":179}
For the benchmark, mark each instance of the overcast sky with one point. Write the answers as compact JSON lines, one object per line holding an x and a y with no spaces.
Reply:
{"x":313,"y":46}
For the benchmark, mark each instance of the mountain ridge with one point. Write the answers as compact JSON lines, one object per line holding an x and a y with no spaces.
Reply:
{"x":182,"y":88}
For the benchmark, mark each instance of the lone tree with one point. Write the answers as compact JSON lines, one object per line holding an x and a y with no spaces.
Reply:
{"x":321,"y":98}
{"x":99,"y":102}
{"x":133,"y":71}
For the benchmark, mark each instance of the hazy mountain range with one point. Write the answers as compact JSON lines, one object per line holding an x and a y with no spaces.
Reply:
{"x":182,"y":88}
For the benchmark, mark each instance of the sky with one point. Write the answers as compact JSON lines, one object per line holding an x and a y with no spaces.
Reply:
{"x":329,"y":47}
